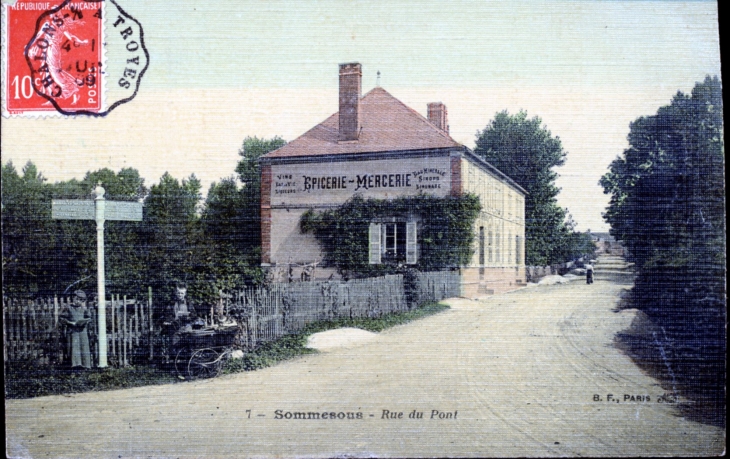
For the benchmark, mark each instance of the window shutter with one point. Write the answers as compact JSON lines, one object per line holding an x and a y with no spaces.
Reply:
{"x":411,"y":244}
{"x":374,"y":244}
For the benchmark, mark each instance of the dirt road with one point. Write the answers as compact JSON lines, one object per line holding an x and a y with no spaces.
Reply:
{"x":526,"y":373}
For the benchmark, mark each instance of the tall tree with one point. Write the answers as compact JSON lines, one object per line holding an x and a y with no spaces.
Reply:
{"x":668,"y":188}
{"x":249,"y":172}
{"x":667,"y":207}
{"x":527,"y":152}
{"x":27,"y":230}
{"x":224,"y":229}
{"x":169,"y":233}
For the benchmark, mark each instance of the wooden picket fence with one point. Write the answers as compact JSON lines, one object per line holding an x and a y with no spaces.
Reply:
{"x":32,"y":332}
{"x":31,"y":329}
{"x":268,"y":312}
{"x":438,"y":285}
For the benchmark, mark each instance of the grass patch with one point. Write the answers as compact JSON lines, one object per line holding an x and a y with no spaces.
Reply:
{"x":27,"y":380}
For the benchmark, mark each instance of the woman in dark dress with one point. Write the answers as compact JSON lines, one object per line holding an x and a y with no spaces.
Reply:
{"x":76,"y":317}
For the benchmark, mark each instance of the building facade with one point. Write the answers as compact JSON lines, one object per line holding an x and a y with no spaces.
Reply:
{"x":377,"y":147}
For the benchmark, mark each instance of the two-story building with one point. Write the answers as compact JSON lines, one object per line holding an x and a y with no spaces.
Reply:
{"x":378,"y":147}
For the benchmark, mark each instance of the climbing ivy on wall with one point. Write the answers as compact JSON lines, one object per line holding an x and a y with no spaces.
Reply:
{"x":445,"y":232}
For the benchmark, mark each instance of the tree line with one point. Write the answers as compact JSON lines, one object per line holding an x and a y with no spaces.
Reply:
{"x":668,"y":209}
{"x":208,"y":244}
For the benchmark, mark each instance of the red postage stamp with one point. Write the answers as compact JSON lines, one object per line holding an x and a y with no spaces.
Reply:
{"x":54,"y":55}
{"x":72,"y":57}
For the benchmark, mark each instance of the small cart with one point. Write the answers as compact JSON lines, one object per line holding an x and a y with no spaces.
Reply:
{"x":200,"y":353}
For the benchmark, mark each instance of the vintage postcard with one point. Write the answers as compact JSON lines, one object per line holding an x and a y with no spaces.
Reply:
{"x":363,"y":229}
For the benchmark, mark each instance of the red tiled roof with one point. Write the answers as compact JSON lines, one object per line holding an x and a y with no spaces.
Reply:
{"x":387,"y":125}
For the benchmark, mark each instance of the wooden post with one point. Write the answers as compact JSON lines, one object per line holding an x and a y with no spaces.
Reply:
{"x":24,"y":332}
{"x":120,"y":333}
{"x":16,"y":328}
{"x":43,"y":322}
{"x":120,"y":352}
{"x":55,"y":311}
{"x":30,"y":312}
{"x":5,"y":347}
{"x":19,"y":335}
{"x":126,"y":331}
{"x":10,"y":327}
{"x":118,"y":318}
{"x":114,"y":320}
{"x":149,"y":317}
{"x":136,"y":324}
{"x":254,"y":325}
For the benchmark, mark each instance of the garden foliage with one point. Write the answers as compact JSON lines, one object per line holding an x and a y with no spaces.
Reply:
{"x":445,"y":232}
{"x":208,"y":245}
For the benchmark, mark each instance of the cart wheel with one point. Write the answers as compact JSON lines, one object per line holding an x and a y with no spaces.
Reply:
{"x":204,"y":363}
{"x":181,"y":362}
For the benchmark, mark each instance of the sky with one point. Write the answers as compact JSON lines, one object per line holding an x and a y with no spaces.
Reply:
{"x":221,"y":71}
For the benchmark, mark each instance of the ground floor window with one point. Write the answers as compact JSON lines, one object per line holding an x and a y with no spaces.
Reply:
{"x":393,"y":242}
{"x":491,"y":244}
{"x":481,"y":246}
{"x":509,"y":248}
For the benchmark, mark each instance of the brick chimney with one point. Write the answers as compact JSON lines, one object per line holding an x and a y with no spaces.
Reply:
{"x":350,"y":93}
{"x":438,"y":116}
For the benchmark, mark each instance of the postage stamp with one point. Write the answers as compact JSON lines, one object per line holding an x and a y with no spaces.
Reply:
{"x":59,"y":61}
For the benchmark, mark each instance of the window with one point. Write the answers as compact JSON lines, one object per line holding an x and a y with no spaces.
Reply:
{"x":498,"y":247}
{"x":509,"y":248}
{"x":491,"y":244}
{"x":481,"y":245}
{"x":393,"y":242}
{"x":481,"y":253}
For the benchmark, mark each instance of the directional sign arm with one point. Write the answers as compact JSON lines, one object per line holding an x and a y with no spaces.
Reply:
{"x":124,"y":211}
{"x":72,"y":209}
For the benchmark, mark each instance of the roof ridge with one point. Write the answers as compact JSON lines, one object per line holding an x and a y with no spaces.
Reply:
{"x":413,"y":111}
{"x":389,"y":125}
{"x":320,"y":125}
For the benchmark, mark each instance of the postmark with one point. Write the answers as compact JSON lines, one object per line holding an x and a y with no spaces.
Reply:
{"x":70,"y":58}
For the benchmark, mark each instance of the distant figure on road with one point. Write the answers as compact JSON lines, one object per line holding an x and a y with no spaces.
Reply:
{"x":589,"y":273}
{"x":76,"y":317}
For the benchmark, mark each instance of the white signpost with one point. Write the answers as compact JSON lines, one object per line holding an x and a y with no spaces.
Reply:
{"x":100,"y":210}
